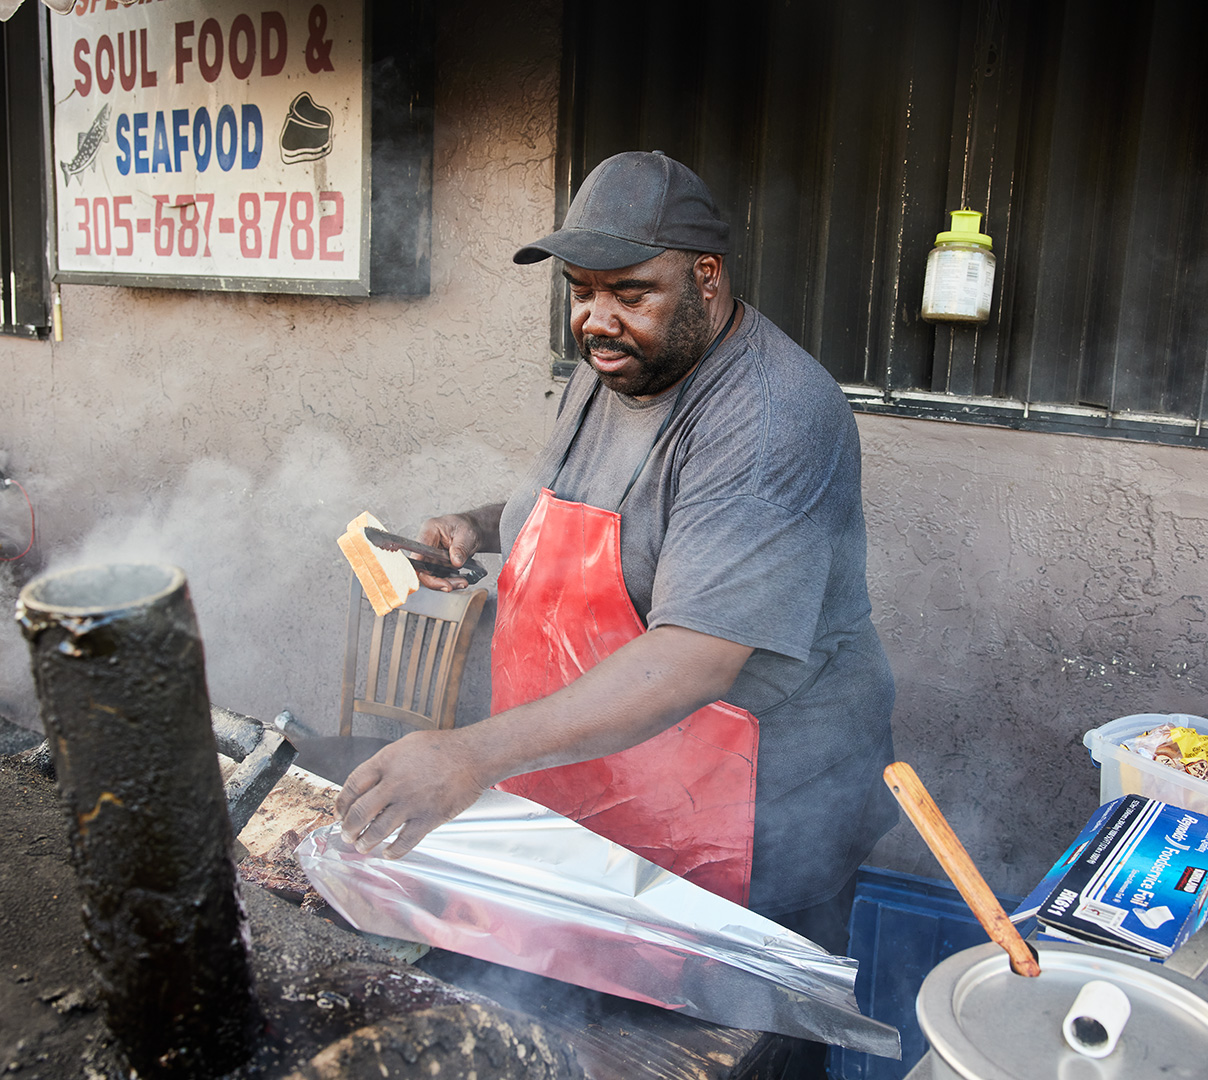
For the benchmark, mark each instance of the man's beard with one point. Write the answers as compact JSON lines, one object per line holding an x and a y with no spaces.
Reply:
{"x":687,"y":338}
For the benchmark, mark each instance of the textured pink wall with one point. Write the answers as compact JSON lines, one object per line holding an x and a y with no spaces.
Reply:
{"x":1028,"y":588}
{"x":236,"y":434}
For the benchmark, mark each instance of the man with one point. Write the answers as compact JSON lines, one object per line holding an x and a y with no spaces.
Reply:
{"x":692,"y":532}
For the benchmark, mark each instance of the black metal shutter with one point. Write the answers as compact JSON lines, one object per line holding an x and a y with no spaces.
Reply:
{"x":837,"y":136}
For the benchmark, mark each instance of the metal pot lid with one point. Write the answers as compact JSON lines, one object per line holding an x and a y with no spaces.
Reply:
{"x":987,"y":1023}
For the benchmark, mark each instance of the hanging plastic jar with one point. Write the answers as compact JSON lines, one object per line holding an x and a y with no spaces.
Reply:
{"x":960,"y":273}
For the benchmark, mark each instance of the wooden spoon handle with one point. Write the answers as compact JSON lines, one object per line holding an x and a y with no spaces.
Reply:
{"x":934,"y":828}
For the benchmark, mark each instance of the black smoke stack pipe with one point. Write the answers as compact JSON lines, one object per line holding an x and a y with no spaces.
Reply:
{"x":120,"y":675}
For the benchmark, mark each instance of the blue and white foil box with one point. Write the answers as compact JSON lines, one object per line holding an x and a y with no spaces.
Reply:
{"x":1134,"y":878}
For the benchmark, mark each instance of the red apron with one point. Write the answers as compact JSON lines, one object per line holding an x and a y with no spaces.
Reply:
{"x":684,"y":799}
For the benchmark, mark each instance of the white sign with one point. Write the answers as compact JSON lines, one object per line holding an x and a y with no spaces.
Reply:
{"x":212,"y":144}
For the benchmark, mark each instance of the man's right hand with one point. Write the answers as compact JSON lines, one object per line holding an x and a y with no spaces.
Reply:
{"x":417,"y":783}
{"x":462,"y":536}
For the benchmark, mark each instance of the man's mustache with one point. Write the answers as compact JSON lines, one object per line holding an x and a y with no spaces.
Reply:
{"x":592,"y":343}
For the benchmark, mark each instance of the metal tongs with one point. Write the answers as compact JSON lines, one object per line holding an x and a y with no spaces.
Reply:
{"x":425,"y":559}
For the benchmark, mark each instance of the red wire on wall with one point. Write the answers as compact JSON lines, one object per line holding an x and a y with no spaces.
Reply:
{"x":14,"y":558}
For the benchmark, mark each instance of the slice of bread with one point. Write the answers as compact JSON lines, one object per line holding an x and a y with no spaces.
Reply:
{"x":387,"y":577}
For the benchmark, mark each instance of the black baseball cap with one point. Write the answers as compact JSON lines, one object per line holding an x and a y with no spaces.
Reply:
{"x":632,"y":207}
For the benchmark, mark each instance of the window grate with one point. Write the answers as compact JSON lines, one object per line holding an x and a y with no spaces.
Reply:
{"x":24,"y":268}
{"x":837,"y":137}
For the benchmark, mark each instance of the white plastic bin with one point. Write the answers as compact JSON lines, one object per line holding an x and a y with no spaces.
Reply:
{"x":1126,"y":773}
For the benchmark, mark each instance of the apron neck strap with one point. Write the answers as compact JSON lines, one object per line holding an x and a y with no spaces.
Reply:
{"x":679,"y":397}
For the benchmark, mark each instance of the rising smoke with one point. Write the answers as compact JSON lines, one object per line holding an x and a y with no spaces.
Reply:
{"x":268,"y":582}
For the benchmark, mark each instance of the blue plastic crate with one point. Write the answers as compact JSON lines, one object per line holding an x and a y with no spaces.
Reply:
{"x":901,"y":927}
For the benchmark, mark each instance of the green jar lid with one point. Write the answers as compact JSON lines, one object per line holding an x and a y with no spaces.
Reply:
{"x":966,"y":228}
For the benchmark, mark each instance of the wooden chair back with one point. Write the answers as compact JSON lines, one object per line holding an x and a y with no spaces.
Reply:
{"x":410,"y":671}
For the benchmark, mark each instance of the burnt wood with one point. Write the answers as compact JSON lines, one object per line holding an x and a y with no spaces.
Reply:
{"x":120,"y":675}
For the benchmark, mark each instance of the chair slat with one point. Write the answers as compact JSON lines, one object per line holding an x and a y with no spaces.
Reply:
{"x":413,"y":660}
{"x":375,"y":658}
{"x":392,"y":712}
{"x":348,"y":685}
{"x":396,"y":657}
{"x":424,"y":689}
{"x":440,"y":678}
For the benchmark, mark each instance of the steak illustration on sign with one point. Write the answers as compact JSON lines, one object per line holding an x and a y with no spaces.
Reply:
{"x":88,"y":144}
{"x":306,"y":134}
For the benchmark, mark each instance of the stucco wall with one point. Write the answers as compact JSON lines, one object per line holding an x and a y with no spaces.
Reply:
{"x":1028,"y":587}
{"x":237,"y":434}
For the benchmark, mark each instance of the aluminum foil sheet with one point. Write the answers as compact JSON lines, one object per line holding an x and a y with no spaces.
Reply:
{"x":512,"y":883}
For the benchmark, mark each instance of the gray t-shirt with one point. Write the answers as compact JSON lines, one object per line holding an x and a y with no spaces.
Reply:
{"x":746,"y":523}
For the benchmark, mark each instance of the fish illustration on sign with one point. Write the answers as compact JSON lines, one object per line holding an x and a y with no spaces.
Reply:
{"x":88,"y":144}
